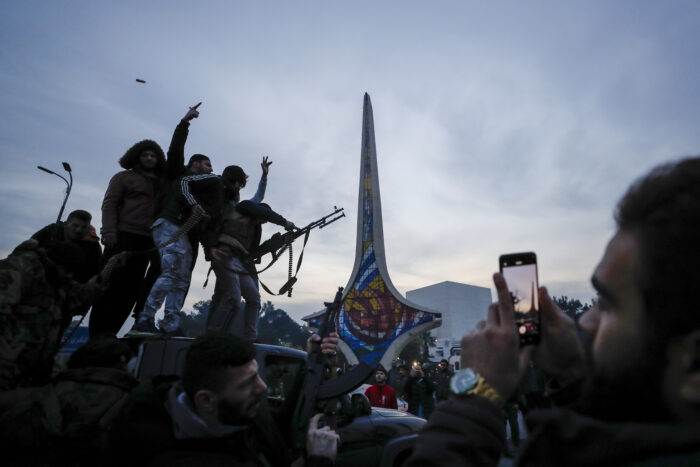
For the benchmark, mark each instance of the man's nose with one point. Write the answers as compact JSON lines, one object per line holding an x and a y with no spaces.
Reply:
{"x":261,"y":385}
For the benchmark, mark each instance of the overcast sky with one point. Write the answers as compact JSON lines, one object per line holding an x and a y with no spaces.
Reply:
{"x":500,"y":127}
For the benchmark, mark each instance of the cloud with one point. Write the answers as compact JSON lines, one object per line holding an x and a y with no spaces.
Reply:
{"x":499,"y":127}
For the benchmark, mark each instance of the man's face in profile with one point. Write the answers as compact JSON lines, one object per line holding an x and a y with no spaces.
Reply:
{"x":202,"y":167}
{"x":627,"y":369}
{"x":240,"y":399}
{"x":74,"y":229}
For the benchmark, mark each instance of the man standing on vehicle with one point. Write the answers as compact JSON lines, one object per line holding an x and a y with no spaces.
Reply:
{"x":640,"y":398}
{"x":132,"y":200}
{"x":381,"y":394}
{"x":217,"y":415}
{"x":198,"y":200}
{"x":241,"y":230}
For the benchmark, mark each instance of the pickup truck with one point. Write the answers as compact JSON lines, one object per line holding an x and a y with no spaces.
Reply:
{"x":369,"y":436}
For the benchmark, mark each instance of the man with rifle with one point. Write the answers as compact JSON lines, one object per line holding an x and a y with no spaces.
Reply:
{"x":240,"y":233}
{"x":216,"y":414}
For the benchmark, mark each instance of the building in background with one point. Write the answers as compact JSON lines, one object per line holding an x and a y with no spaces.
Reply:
{"x":461,"y":306}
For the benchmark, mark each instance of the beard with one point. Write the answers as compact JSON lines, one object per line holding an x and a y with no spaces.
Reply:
{"x":238,"y":414}
{"x":627,"y":394}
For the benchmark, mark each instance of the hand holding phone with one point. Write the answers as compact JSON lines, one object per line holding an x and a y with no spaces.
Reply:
{"x":520,"y":273}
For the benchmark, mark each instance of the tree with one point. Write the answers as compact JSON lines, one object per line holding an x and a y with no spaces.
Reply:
{"x":193,"y":324}
{"x":572,"y":307}
{"x":275,"y":327}
{"x":412,"y":351}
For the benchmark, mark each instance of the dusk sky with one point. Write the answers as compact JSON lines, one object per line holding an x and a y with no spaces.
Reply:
{"x":500,"y":126}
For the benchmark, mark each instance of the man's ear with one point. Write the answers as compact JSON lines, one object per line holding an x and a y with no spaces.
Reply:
{"x":205,"y":401}
{"x":689,"y":355}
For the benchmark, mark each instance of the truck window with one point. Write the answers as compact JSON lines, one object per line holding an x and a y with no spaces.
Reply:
{"x":280,"y":373}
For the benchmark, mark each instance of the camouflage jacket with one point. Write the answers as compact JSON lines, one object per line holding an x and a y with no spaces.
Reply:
{"x":36,"y":307}
{"x":65,"y":420}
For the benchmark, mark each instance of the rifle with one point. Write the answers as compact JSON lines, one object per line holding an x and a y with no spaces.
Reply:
{"x":276,"y":244}
{"x":279,"y":242}
{"x":314,"y":388}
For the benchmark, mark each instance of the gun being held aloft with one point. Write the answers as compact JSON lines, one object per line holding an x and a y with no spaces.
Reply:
{"x":316,"y":364}
{"x":276,"y":244}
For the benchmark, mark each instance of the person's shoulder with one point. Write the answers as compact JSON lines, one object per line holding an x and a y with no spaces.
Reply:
{"x":48,"y":232}
{"x":123,"y":174}
{"x":199,"y":177}
{"x":24,"y":263}
{"x":146,"y":404}
{"x":122,"y":177}
{"x":246,"y":204}
{"x":30,"y":249}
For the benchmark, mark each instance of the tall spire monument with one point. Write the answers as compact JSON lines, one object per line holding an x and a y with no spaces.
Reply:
{"x":375,"y":321}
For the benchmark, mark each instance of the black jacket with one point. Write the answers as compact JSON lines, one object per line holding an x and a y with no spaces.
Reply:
{"x":471,"y":432}
{"x":143,"y":435}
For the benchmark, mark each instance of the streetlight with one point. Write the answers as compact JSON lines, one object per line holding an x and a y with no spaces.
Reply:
{"x":69,"y":185}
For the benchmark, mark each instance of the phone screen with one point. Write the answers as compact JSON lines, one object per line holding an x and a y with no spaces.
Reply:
{"x":520,"y":272}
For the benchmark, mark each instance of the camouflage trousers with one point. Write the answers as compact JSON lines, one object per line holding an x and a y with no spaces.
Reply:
{"x":174,"y":280}
{"x":226,"y":302}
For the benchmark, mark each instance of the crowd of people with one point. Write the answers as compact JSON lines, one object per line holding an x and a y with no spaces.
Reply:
{"x":420,"y":386}
{"x":621,"y":385}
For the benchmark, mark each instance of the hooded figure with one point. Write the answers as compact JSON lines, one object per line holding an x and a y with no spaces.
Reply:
{"x":127,"y":213}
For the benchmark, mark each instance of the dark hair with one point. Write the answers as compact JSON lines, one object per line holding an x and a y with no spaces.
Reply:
{"x":380,"y":368}
{"x":233,"y":173}
{"x":80,"y":214}
{"x":196,"y":158}
{"x":662,"y":211}
{"x":132,"y":155}
{"x":208,"y":356}
{"x":104,"y":352}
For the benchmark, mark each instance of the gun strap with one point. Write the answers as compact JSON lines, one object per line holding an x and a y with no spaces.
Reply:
{"x":287,"y":287}
{"x":189,"y":224}
{"x":235,"y":271}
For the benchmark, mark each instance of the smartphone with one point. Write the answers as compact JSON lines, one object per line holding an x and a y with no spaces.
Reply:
{"x":520,"y":272}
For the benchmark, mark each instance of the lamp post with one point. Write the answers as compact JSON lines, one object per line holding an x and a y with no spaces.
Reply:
{"x":69,"y":185}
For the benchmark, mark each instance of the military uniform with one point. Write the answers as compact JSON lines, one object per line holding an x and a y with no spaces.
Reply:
{"x":65,"y":421}
{"x":36,"y":307}
{"x":235,"y":277}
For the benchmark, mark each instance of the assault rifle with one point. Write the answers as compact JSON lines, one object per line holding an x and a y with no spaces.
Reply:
{"x":276,"y":244}
{"x":279,"y":242}
{"x":314,"y":388}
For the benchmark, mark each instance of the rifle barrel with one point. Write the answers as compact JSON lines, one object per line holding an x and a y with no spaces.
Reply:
{"x":331,"y":221}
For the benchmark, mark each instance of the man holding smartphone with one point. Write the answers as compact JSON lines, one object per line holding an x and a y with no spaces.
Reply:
{"x":636,"y":400}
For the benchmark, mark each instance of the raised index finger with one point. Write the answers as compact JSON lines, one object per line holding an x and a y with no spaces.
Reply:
{"x":505,"y":301}
{"x":196,"y":106}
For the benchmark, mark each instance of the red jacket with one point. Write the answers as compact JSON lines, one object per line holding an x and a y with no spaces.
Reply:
{"x":381,"y":396}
